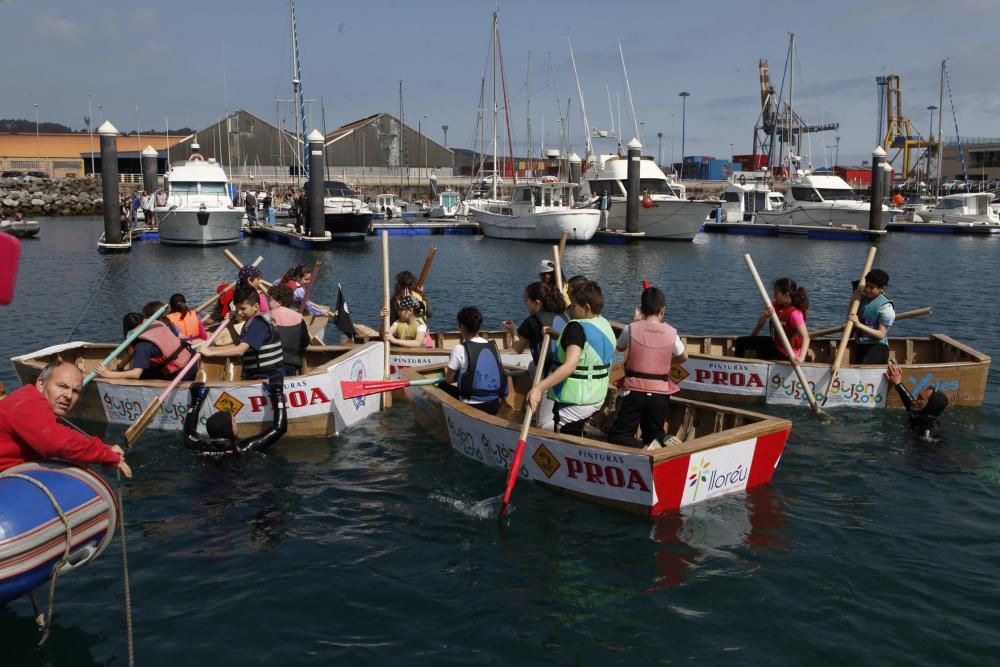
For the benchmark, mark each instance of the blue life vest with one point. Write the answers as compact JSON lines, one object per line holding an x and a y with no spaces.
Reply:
{"x":868,"y":314}
{"x":484,"y":378}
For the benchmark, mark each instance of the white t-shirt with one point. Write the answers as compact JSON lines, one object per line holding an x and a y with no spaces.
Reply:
{"x":459,"y":362}
{"x":625,"y":337}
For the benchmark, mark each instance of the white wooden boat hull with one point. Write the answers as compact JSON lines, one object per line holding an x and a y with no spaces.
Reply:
{"x":666,"y":220}
{"x":821,"y":215}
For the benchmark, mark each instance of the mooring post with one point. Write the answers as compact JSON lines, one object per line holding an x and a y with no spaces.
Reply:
{"x":875,"y":207}
{"x":150,"y":158}
{"x":109,"y":182}
{"x":632,"y":201}
{"x":317,"y":221}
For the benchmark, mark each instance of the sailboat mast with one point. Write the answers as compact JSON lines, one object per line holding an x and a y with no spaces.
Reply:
{"x":495,"y":110}
{"x":583,"y":107}
{"x":297,"y":81}
{"x":628,"y":89}
{"x":791,"y":113}
{"x":940,"y":147}
{"x":529,"y":110}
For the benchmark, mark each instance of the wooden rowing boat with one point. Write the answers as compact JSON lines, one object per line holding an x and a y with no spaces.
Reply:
{"x":712,"y":372}
{"x":315,"y":405}
{"x":721,"y":450}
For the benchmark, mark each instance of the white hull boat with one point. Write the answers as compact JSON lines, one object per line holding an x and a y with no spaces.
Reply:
{"x":825,"y":201}
{"x":538,"y":212}
{"x":198,"y":210}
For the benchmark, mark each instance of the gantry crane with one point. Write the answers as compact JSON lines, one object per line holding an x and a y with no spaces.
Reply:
{"x":899,"y":132}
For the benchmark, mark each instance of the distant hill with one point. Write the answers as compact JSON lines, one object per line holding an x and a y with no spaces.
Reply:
{"x":24,"y":126}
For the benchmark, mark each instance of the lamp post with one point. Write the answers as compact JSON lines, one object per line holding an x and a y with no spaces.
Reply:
{"x":38,"y":141}
{"x":673,"y":136}
{"x":930,"y":142}
{"x":90,"y":131}
{"x":732,"y":153}
{"x":424,"y":146}
{"x":444,"y":128}
{"x":642,"y":133}
{"x":659,"y":150}
{"x":684,"y":95}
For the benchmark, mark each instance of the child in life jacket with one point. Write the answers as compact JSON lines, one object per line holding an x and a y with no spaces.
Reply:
{"x":579,"y":383}
{"x":185,"y":320}
{"x":409,"y":330}
{"x":292,"y":329}
{"x":791,"y":303}
{"x":653,"y":347}
{"x":874,"y":317}
{"x":475,"y":366}
{"x":157,"y":354}
{"x":260,"y":345}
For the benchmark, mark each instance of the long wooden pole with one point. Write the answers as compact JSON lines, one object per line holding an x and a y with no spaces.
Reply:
{"x":427,"y":268}
{"x":209,"y":301}
{"x":849,"y":325}
{"x":906,"y":315}
{"x":784,"y":339}
{"x":140,"y":425}
{"x":387,"y":396}
{"x":562,"y":243}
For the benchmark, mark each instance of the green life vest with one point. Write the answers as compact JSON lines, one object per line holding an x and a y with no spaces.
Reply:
{"x":868,"y":314}
{"x":589,"y":382}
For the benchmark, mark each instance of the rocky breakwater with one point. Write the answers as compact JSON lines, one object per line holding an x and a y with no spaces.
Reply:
{"x":51,"y":197}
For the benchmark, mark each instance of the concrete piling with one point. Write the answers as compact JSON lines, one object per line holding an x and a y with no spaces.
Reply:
{"x":317,"y":222}
{"x":109,"y":182}
{"x":632,"y":201}
{"x":149,"y":168}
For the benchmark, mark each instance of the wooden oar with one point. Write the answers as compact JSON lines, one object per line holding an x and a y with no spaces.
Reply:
{"x":140,"y":425}
{"x":312,"y":281}
{"x":128,"y":341}
{"x":355,"y":388}
{"x":515,"y":464}
{"x":906,"y":315}
{"x":562,"y":243}
{"x":386,"y":396}
{"x":776,"y":323}
{"x":239,"y":264}
{"x":427,"y":267}
{"x":849,"y":325}
{"x":218,"y":295}
{"x":557,"y":255}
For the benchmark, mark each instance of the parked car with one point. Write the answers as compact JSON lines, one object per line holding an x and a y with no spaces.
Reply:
{"x":13,"y":174}
{"x":37,"y":174}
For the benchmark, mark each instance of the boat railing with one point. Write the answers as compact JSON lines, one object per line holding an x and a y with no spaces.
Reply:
{"x":195,"y":200}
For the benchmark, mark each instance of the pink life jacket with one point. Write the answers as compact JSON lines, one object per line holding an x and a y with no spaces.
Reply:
{"x":174,"y":354}
{"x":650,"y":355}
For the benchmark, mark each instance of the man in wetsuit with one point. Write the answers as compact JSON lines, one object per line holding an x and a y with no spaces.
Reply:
{"x":223,"y":440}
{"x":924,"y":408}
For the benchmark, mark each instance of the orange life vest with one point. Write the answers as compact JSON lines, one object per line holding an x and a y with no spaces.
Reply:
{"x":187,"y":324}
{"x":174,"y":354}
{"x":650,"y":354}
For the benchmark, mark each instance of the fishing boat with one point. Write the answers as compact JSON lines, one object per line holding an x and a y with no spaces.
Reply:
{"x":447,"y":205}
{"x":538,"y":212}
{"x":963,"y":213}
{"x":33,"y":537}
{"x":198,"y":210}
{"x":20,"y":228}
{"x":818,"y":203}
{"x":668,"y":215}
{"x":389,"y":206}
{"x":713,"y":372}
{"x":315,"y":405}
{"x":744,"y":196}
{"x":715,"y":451}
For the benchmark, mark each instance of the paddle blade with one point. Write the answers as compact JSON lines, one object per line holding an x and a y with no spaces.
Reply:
{"x":515,"y":467}
{"x":141,"y":424}
{"x":356,"y":388}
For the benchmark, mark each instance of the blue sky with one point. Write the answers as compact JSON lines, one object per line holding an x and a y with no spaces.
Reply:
{"x":187,"y":60}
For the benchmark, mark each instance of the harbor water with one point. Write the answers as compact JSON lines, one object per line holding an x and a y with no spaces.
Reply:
{"x":380,"y":546}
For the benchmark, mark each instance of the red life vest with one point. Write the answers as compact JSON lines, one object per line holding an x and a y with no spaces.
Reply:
{"x":174,"y":354}
{"x":794,"y":337}
{"x":650,"y":355}
{"x":187,"y":324}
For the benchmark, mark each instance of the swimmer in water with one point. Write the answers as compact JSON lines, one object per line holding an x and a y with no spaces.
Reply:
{"x":924,"y":408}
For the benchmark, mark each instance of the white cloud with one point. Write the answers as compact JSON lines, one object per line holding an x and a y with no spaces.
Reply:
{"x":53,"y":26}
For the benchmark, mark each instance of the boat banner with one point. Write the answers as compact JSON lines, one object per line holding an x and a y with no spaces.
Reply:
{"x":366,"y":363}
{"x":592,"y":471}
{"x":718,"y":471}
{"x":722,"y":376}
{"x":306,"y":395}
{"x":854,"y":387}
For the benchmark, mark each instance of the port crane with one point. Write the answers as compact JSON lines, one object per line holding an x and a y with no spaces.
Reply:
{"x":900,"y":134}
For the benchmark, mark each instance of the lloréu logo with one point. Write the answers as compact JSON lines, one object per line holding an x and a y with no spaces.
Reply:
{"x":713,"y":480}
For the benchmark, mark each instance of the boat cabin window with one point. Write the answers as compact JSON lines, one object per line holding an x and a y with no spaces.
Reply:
{"x":802,"y":193}
{"x":522,"y":195}
{"x":951,"y":203}
{"x":613,"y":188}
{"x":730,"y":196}
{"x":537,"y":194}
{"x":758,"y":201}
{"x":197,"y":188}
{"x":838,"y":194}
{"x":337,"y":189}
{"x":547,"y":194}
{"x":655,"y":186}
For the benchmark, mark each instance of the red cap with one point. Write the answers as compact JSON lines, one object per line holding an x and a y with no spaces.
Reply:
{"x":645,"y":284}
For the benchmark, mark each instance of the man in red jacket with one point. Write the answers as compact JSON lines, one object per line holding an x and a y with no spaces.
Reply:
{"x":29,"y":427}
